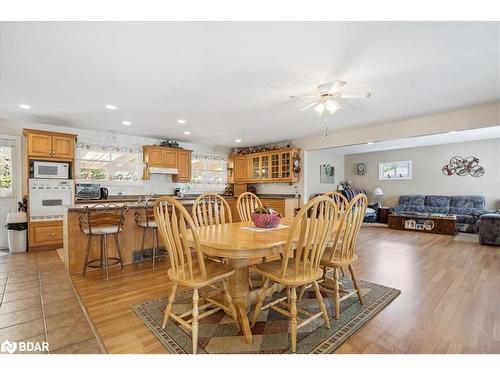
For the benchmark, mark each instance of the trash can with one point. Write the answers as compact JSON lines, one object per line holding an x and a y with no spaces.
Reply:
{"x":17,"y":225}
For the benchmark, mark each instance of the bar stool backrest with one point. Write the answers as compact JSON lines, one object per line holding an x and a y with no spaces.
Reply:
{"x":314,"y":223}
{"x":102,"y":215}
{"x":246,"y":205}
{"x":175,"y":226}
{"x":146,"y":214}
{"x":211,"y":209}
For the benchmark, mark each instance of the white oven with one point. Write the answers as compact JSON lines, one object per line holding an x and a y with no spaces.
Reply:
{"x":47,"y":198}
{"x":50,"y":169}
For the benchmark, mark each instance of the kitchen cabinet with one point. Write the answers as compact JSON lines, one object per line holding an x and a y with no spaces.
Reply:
{"x":160,"y":157}
{"x":41,"y":144}
{"x":183,"y":166}
{"x":43,"y":234}
{"x":266,"y":167}
{"x":165,"y":157}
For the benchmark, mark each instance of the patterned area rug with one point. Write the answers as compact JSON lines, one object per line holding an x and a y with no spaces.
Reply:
{"x":218,"y":333}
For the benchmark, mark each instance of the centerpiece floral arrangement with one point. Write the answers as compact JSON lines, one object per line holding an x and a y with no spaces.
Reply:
{"x":266,"y":217}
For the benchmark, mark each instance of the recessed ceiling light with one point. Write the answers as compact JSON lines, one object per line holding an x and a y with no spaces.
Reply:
{"x":181,"y":121}
{"x":187,"y":133}
{"x":452,"y":131}
{"x":369,"y":143}
{"x":126,"y":123}
{"x":237,"y":140}
{"x":111,"y":107}
{"x":24,"y":106}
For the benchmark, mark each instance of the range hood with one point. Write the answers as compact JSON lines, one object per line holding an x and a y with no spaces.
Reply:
{"x":159,"y":170}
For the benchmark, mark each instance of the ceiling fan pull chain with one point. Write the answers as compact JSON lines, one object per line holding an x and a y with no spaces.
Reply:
{"x":325,"y":134}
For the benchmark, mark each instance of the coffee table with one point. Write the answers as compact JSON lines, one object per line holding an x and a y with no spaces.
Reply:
{"x":427,"y":223}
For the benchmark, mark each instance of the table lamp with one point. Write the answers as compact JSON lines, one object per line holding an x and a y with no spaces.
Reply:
{"x":378,"y":193}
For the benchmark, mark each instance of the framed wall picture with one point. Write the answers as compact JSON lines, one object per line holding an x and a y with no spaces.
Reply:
{"x":395,"y":170}
{"x":326,"y":174}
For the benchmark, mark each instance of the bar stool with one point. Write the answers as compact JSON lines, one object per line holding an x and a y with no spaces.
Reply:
{"x":102,"y":220}
{"x":146,"y":220}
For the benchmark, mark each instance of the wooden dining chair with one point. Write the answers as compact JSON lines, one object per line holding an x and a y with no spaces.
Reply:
{"x":189,"y":268}
{"x":211,"y":209}
{"x":300,"y":264}
{"x":342,"y":204}
{"x":341,"y":252}
{"x":340,"y":200}
{"x":246,"y":205}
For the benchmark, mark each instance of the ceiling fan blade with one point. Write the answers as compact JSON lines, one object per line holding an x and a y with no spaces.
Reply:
{"x":353,"y":95}
{"x":302,"y":96}
{"x":309,"y":106}
{"x":337,"y":85}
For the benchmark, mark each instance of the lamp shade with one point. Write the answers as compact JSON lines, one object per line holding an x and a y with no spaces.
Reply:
{"x":378,"y":191}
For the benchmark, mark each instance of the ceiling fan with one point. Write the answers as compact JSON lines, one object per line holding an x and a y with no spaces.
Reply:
{"x":328,"y":97}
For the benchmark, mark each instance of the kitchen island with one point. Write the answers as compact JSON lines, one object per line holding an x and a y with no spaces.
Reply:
{"x":130,"y":238}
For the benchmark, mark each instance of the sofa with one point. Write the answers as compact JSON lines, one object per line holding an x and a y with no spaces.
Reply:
{"x":467,"y":208}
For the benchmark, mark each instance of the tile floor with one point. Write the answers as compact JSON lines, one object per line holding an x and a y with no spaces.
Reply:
{"x":38,"y":304}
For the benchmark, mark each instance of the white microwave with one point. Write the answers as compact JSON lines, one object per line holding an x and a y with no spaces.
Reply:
{"x":50,"y":169}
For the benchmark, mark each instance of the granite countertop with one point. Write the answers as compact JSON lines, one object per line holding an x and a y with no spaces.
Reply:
{"x":132,"y":201}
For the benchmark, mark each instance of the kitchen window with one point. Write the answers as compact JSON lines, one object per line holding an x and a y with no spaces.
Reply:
{"x":208,"y":173}
{"x":108,"y":163}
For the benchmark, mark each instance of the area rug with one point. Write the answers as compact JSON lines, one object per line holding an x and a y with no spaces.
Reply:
{"x":218,"y":334}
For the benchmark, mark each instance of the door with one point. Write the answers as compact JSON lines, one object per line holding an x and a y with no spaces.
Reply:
{"x":264,"y":167}
{"x":240,"y":168}
{"x":39,"y":145}
{"x":255,"y":165}
{"x":8,"y":185}
{"x":170,"y":158}
{"x":184,"y":167}
{"x":286,"y":164}
{"x":155,"y":157}
{"x":63,"y":147}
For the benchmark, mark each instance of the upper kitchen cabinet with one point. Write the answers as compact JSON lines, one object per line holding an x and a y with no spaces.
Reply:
{"x":281,"y":165}
{"x":183,"y":166}
{"x":161,"y":157}
{"x":42,"y":144}
{"x":165,"y":157}
{"x":238,"y":169}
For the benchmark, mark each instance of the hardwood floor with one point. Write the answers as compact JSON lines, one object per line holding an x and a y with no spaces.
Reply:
{"x":450,"y":300}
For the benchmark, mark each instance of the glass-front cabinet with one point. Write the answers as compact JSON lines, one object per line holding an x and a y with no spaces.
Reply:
{"x":272,"y":166}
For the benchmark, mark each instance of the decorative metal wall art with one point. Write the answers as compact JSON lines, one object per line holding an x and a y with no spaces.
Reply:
{"x":463,"y":166}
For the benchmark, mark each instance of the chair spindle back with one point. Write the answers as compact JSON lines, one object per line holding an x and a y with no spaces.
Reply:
{"x":210,"y":209}
{"x":246,"y":205}
{"x":175,"y":225}
{"x":315,"y":223}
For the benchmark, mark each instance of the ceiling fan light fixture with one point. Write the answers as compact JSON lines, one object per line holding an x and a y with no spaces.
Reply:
{"x":332,"y":106}
{"x":320,"y":108}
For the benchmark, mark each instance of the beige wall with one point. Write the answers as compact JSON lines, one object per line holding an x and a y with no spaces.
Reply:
{"x":427,"y":175}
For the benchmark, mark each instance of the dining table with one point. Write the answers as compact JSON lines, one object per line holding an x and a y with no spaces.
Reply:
{"x":241,"y":245}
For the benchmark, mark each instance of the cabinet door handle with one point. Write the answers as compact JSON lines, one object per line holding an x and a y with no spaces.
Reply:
{"x":53,"y":234}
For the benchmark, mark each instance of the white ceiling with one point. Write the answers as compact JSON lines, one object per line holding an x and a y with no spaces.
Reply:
{"x":232,"y":80}
{"x":492,"y":132}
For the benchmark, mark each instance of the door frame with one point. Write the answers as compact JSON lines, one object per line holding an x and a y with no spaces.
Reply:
{"x":18,"y":171}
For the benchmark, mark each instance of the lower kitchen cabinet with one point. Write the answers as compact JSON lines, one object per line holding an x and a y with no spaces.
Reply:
{"x":44,"y":235}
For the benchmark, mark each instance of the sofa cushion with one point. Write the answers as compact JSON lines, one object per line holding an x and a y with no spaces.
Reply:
{"x":467,"y":204}
{"x":413,"y":202}
{"x":437,"y":201}
{"x":436,"y":209}
{"x":467,"y":219}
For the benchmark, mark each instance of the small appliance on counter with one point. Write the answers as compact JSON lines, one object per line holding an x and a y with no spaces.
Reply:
{"x":103,"y":193}
{"x":88,"y":191}
{"x":49,"y":170}
{"x":179,"y":192}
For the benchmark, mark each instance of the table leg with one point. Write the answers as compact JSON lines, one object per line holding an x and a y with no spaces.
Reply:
{"x":239,"y":290}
